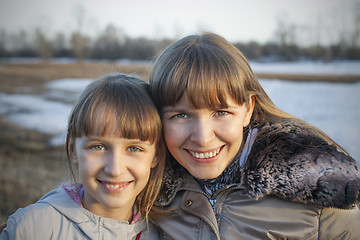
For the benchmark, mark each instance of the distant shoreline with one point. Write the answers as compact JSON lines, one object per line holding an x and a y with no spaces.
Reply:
{"x":310,"y":77}
{"x":35,"y":73}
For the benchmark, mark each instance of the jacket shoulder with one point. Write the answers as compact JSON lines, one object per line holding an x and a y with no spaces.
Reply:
{"x":32,"y":222}
{"x":290,"y":161}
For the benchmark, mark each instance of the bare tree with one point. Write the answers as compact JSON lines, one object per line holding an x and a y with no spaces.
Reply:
{"x":78,"y":40}
{"x":3,"y":36}
{"x":44,"y":47}
{"x":286,"y":31}
{"x":110,"y":44}
{"x":355,"y":36}
{"x":286,"y":35}
{"x":61,"y":45}
{"x":79,"y":46}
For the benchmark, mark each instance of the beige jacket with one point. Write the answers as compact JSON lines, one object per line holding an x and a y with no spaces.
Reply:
{"x":57,"y":216}
{"x":293,"y":186}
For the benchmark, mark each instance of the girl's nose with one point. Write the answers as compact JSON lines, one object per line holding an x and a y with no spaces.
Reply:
{"x":114,"y":165}
{"x":202,"y":132}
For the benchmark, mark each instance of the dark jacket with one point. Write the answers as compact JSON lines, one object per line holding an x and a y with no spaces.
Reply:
{"x":293,"y":186}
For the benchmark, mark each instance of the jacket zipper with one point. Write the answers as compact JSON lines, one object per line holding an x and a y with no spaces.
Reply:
{"x":215,"y":203}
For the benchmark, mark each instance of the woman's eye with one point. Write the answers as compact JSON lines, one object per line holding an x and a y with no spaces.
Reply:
{"x":221,"y":113}
{"x":134,"y":149}
{"x":98,"y":148}
{"x":180,"y":115}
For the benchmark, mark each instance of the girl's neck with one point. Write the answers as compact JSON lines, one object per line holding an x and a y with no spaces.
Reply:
{"x":77,"y":193}
{"x":118,"y":214}
{"x":124,"y":213}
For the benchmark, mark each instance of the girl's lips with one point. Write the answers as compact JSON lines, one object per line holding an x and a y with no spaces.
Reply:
{"x":114,"y":187}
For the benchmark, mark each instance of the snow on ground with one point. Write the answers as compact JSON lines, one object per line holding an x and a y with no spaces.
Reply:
{"x":308,"y":67}
{"x":40,"y":113}
{"x":333,"y":107}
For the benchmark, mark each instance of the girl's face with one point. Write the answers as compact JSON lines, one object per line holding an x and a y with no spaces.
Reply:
{"x":205,"y":141}
{"x":113,"y":171}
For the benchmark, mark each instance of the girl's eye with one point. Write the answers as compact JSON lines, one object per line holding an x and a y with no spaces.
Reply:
{"x":98,"y":147}
{"x":221,"y":113}
{"x":134,"y":149}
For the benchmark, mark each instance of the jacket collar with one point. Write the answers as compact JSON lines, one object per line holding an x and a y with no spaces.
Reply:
{"x":288,"y":161}
{"x":87,"y":221}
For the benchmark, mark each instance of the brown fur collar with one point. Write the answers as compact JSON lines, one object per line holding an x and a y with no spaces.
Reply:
{"x":289,"y":162}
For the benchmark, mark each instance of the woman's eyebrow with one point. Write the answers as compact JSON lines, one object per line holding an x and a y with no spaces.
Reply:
{"x":172,"y":109}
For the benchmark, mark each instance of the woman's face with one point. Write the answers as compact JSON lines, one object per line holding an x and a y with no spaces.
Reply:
{"x":203,"y":140}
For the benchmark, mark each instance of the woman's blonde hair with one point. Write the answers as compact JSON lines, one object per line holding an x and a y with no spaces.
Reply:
{"x":120,"y":105}
{"x":209,"y":69}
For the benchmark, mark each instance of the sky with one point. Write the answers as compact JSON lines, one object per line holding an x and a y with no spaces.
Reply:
{"x":236,"y":20}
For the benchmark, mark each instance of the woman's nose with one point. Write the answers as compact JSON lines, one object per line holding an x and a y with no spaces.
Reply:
{"x":202,"y":132}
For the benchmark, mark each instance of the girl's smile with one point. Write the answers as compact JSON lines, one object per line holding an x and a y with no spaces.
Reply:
{"x":113,"y":170}
{"x":115,"y":187}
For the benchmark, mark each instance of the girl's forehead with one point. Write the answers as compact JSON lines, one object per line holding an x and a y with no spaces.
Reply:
{"x":109,"y":138}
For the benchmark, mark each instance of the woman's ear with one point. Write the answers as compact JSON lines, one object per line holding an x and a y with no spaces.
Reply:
{"x":249,"y":110}
{"x":154,"y":162}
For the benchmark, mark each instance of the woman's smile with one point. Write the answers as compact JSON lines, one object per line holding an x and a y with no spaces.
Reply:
{"x":202,"y":155}
{"x":203,"y":140}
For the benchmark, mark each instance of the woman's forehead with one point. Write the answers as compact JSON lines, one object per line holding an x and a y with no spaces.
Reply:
{"x":185,"y":102}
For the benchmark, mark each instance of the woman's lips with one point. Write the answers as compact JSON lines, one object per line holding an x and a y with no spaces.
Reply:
{"x":205,"y":156}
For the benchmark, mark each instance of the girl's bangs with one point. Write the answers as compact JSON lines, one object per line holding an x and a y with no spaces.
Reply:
{"x":120,"y":115}
{"x":124,"y":121}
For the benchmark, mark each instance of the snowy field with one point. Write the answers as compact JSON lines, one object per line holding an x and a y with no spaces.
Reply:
{"x":309,"y":67}
{"x":333,"y":107}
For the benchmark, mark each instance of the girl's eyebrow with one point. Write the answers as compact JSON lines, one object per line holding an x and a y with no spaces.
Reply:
{"x":91,"y":138}
{"x":130,"y":141}
{"x":137,"y":141}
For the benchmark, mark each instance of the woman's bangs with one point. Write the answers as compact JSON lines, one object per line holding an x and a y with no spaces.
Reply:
{"x":212,"y":80}
{"x":205,"y":88}
{"x":205,"y":73}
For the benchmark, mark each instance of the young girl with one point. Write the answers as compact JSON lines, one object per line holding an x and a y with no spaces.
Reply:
{"x":114,"y":139}
{"x":241,"y":168}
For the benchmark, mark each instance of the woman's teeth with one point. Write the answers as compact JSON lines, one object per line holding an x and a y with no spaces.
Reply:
{"x":205,"y":155}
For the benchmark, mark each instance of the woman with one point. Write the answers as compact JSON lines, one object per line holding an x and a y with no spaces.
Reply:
{"x":241,"y":168}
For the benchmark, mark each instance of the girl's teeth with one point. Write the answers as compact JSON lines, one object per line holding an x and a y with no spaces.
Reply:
{"x":205,"y":155}
{"x":112,"y":186}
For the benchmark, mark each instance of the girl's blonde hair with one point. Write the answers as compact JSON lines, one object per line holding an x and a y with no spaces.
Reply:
{"x":209,"y":69}
{"x":120,"y":105}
